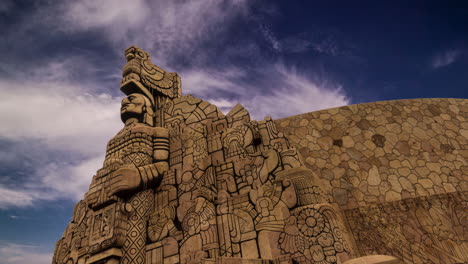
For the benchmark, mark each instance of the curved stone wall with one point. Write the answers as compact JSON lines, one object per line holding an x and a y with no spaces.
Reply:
{"x":398,"y":170}
{"x":385,"y":151}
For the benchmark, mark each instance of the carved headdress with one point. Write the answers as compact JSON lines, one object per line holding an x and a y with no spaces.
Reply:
{"x":140,"y":75}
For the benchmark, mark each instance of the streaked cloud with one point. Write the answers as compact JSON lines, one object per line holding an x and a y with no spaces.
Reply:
{"x":14,"y":198}
{"x":445,"y":58}
{"x":286,"y":92}
{"x":58,"y":107}
{"x":67,"y":180}
{"x":166,"y":27}
{"x":14,"y":253}
{"x":47,"y":114}
{"x":270,"y":38}
{"x":56,"y":180}
{"x":205,"y":81}
{"x":58,"y":115}
{"x":86,"y":14}
{"x":296,"y":93}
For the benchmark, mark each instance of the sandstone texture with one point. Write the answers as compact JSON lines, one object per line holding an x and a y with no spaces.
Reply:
{"x":398,"y":170}
{"x":184,"y":183}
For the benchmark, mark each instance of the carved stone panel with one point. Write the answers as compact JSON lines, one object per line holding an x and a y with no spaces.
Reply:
{"x":184,"y":183}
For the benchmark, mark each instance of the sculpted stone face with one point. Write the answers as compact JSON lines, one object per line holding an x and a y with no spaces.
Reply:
{"x":133,"y":106}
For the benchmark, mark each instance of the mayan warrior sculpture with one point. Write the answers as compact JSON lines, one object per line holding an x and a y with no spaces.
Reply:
{"x":184,"y":183}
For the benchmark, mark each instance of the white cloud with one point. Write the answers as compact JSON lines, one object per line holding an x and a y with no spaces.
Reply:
{"x":286,"y":92}
{"x":56,"y":180}
{"x":165,"y":27}
{"x":54,"y":114}
{"x":223,"y":104}
{"x":54,"y":108}
{"x":67,"y":180}
{"x":14,"y":198}
{"x":446,"y":58}
{"x":204,"y":81}
{"x":292,"y":93}
{"x":12,"y":253}
{"x":89,"y":14}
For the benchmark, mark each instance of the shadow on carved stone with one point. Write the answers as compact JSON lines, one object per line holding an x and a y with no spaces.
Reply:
{"x":184,"y":183}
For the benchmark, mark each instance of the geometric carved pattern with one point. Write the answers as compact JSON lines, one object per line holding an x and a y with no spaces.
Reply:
{"x":134,"y":246}
{"x":184,"y":183}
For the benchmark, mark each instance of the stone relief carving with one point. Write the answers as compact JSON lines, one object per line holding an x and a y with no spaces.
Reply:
{"x":418,"y":230}
{"x":184,"y":183}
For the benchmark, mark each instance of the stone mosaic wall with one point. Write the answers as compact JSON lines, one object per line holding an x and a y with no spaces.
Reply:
{"x":184,"y":183}
{"x":385,"y":151}
{"x":398,"y":169}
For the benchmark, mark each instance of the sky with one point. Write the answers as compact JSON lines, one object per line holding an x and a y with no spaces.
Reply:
{"x":61,"y":61}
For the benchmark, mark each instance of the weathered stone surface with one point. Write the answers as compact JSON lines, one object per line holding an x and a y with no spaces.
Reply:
{"x":184,"y":183}
{"x":378,"y":140}
{"x":374,"y":177}
{"x":418,"y":151}
{"x":375,"y":259}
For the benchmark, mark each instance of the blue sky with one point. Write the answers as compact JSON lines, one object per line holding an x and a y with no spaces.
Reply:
{"x":61,"y":61}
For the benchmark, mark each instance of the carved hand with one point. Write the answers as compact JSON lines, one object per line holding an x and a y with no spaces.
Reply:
{"x":124,"y":180}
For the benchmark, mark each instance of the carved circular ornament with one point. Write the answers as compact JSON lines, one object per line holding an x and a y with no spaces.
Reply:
{"x":310,"y":222}
{"x":187,"y":181}
{"x":191,"y":223}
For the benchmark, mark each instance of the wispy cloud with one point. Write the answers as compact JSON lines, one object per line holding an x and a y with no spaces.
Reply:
{"x":207,"y":81}
{"x":51,"y":181}
{"x":270,"y":38}
{"x":58,"y":115}
{"x":286,"y":92}
{"x":295,"y":93}
{"x":14,"y":198}
{"x":86,"y":14}
{"x":13,"y":253}
{"x":51,"y":105}
{"x":171,"y":28}
{"x":445,"y":58}
{"x":68,"y":180}
{"x":57,"y":106}
{"x":50,"y":113}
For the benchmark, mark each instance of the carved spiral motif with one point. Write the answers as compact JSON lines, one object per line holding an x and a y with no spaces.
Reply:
{"x":191,"y":223}
{"x":310,"y":222}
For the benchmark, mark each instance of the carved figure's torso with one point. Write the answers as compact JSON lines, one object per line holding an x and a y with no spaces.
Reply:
{"x":132,"y":146}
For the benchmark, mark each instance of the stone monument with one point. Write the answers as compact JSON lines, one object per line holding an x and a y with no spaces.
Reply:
{"x":184,"y":183}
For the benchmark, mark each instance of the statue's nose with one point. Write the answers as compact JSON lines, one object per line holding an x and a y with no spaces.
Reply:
{"x":124,"y":104}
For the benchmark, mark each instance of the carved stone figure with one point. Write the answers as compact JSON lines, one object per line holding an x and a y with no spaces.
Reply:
{"x":184,"y":183}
